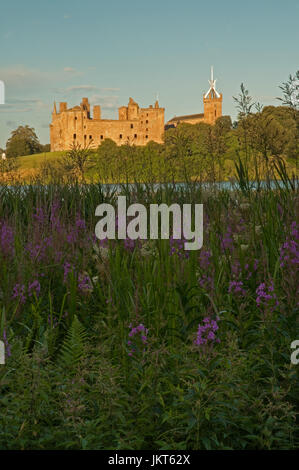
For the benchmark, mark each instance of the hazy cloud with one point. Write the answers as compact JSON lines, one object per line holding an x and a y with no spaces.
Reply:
{"x":83,"y":88}
{"x":21,"y":77}
{"x":16,"y":105}
{"x":106,"y":102}
{"x":69,"y":70}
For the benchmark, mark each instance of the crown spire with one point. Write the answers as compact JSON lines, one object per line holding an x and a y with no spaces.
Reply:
{"x":212,"y":83}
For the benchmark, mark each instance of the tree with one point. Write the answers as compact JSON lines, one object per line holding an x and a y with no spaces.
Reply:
{"x":290,"y":98}
{"x":107,"y":160}
{"x":107,"y":149}
{"x":8,"y":165}
{"x":45,"y":148}
{"x":290,"y":91}
{"x":23,"y":141}
{"x":77,"y":159}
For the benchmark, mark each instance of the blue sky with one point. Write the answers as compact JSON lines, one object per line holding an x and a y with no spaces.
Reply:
{"x":111,"y":50}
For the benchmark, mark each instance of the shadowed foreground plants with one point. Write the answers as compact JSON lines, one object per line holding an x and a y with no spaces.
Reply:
{"x":138,"y":344}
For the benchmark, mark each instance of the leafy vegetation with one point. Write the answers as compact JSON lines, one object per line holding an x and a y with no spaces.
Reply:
{"x":127,"y":344}
{"x":103,"y":345}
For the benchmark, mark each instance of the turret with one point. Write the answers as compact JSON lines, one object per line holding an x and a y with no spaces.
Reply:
{"x":133,"y":109}
{"x":212,"y":102}
{"x":62,"y":106}
{"x":85,"y":106}
{"x":97,"y":112}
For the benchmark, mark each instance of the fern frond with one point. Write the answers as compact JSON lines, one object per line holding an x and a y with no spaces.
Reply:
{"x":73,"y":346}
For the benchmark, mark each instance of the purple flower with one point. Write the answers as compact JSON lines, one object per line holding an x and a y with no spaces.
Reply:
{"x":206,"y":333}
{"x":19,"y":293}
{"x":266,"y":297}
{"x":6,"y":239}
{"x":84,"y":283}
{"x":130,"y":244}
{"x":7,"y":346}
{"x":236,"y":287}
{"x":80,"y":223}
{"x":204,"y":259}
{"x":226,"y":240}
{"x":138,"y":335}
{"x":67,"y":268}
{"x":289,"y":251}
{"x":34,"y":287}
{"x":177,"y":247}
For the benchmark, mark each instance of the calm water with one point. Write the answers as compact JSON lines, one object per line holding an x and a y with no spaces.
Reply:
{"x":223,"y":185}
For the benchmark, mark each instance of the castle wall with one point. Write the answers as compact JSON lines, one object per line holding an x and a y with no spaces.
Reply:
{"x":136,"y":126}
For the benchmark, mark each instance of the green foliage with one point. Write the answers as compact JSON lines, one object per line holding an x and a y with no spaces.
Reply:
{"x":72,"y":350}
{"x":70,"y":383}
{"x":76,"y":160}
{"x":23,"y":141}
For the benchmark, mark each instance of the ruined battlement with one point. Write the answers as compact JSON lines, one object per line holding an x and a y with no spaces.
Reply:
{"x":134,"y":125}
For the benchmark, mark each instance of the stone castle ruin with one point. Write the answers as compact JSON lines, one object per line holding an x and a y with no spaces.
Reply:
{"x":134,"y":125}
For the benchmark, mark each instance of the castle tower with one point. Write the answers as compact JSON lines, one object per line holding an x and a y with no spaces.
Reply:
{"x":133,"y":109}
{"x":212,"y":102}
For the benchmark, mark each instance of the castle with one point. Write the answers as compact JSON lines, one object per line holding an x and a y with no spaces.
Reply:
{"x":135,"y":125}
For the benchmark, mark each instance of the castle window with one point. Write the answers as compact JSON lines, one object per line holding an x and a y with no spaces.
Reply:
{"x":132,"y":126}
{"x":102,"y":137}
{"x":146,"y":136}
{"x":120,"y":136}
{"x":75,"y":118}
{"x":90,"y":137}
{"x":75,"y":136}
{"x":85,"y":137}
{"x":146,"y":121}
{"x":135,"y":136}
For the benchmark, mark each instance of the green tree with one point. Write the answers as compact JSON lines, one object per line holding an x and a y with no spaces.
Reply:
{"x":290,"y":90}
{"x":45,"y":148}
{"x":77,"y":160}
{"x":23,"y":141}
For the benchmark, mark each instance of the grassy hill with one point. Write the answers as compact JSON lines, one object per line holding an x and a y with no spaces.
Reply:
{"x":38,"y":159}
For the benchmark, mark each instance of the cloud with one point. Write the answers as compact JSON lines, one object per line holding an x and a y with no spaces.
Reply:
{"x":106,"y":102}
{"x":30,"y":101}
{"x":110,"y":89}
{"x":20,"y":76}
{"x":84,"y":88}
{"x":81,"y":88}
{"x":69,"y":70}
{"x":16,"y":105}
{"x":11,"y":108}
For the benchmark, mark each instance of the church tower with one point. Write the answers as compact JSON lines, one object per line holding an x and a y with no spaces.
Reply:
{"x":212,"y":102}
